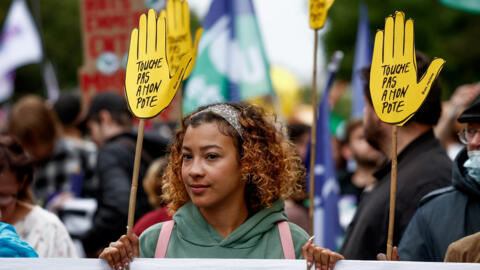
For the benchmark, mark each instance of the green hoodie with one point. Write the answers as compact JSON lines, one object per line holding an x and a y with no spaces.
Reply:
{"x":193,"y":237}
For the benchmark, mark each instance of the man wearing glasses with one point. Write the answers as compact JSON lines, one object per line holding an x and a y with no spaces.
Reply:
{"x":448,"y":214}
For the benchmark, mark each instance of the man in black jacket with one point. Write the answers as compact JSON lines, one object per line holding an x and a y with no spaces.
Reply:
{"x":449,"y":214}
{"x":111,"y":127}
{"x":423,"y":166}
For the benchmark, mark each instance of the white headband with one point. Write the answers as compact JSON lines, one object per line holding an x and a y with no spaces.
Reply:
{"x":227,"y":112}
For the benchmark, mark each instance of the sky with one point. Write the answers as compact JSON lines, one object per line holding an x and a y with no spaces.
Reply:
{"x":287,"y":37}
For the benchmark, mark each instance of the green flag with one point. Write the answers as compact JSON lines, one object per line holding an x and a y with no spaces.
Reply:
{"x":472,"y":6}
{"x":231,"y":63}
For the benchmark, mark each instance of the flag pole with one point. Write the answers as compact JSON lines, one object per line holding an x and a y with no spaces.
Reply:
{"x":393,"y":192}
{"x":136,"y":169}
{"x":313,"y":137}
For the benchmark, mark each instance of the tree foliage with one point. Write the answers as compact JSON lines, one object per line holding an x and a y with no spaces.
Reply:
{"x":439,"y":32}
{"x":59,"y":24}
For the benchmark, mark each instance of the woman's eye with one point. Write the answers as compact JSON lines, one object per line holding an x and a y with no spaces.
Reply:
{"x":186,"y":156}
{"x":212,"y":156}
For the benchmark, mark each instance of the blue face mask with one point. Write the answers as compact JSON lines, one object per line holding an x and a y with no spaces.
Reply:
{"x":473,"y":165}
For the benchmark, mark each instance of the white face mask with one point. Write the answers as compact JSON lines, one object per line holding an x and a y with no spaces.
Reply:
{"x":473,"y":165}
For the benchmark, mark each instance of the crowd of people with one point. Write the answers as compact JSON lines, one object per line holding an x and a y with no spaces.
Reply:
{"x":230,"y":183}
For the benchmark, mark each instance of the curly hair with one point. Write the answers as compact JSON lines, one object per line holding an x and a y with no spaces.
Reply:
{"x":14,"y":159}
{"x":268,"y":162}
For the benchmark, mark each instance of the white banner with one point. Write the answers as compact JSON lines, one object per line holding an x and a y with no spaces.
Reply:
{"x":212,"y":264}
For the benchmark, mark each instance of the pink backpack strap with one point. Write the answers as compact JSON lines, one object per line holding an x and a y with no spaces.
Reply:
{"x":286,"y":238}
{"x":164,"y":238}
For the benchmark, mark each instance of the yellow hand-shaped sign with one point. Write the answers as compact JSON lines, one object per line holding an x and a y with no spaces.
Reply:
{"x":318,"y":12}
{"x":396,"y":92}
{"x":149,"y":86}
{"x":179,"y":39}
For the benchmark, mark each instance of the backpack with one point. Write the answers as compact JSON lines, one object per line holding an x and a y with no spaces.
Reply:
{"x":283,"y":228}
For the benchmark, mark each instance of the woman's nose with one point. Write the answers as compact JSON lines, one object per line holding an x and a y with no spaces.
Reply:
{"x":196,"y":168}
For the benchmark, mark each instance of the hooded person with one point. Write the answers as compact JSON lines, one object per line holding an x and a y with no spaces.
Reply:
{"x":451,"y":213}
{"x":228,"y":174}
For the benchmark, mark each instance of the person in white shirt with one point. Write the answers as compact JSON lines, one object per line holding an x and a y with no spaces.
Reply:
{"x":39,"y":228}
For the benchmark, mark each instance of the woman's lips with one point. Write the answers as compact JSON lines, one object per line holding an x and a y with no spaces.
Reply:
{"x":198,"y":189}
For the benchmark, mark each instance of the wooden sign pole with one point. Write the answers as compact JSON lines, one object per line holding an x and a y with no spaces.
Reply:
{"x":136,"y":169}
{"x":393,"y":194}
{"x":393,"y":68}
{"x":180,"y":98}
{"x":145,"y":69}
{"x":313,"y":137}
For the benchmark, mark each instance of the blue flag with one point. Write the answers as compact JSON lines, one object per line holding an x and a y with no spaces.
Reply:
{"x":363,"y":58}
{"x":326,"y":224}
{"x":231,"y":62}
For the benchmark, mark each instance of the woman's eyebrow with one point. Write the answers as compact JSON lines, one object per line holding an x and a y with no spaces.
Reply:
{"x":206,"y":147}
{"x":203,"y":148}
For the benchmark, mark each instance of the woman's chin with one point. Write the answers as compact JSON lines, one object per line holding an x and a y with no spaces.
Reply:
{"x":201,"y":203}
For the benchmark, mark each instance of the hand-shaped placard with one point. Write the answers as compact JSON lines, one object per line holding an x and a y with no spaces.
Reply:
{"x":179,"y":39}
{"x":318,"y":12}
{"x":396,"y":92}
{"x":149,"y":86}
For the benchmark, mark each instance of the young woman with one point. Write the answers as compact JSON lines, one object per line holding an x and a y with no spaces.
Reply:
{"x":229,"y":170}
{"x":41,"y":229}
